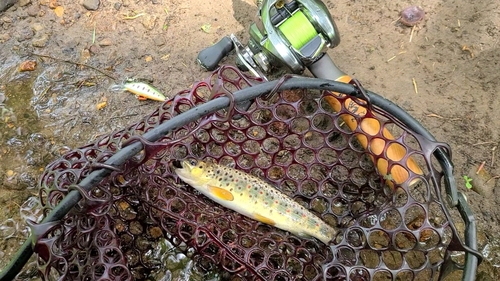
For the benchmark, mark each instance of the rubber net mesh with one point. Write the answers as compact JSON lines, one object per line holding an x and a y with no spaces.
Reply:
{"x":390,"y":230}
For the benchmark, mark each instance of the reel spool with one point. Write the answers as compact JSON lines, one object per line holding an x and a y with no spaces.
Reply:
{"x":293,"y":34}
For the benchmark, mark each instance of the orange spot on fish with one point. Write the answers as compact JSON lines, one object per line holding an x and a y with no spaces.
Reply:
{"x":263,"y":219}
{"x":220,"y":193}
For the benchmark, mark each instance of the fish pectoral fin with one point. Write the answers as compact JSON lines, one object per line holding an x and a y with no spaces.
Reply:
{"x":263,"y":219}
{"x":220,"y":193}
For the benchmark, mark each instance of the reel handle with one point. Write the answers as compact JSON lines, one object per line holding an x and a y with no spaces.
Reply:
{"x":210,"y":57}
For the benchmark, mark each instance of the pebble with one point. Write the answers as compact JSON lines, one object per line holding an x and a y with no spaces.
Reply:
{"x":5,"y":20}
{"x":23,"y":3}
{"x":33,"y":10}
{"x":149,"y":21}
{"x":117,"y":6}
{"x":36,"y":26}
{"x":412,"y":15}
{"x":159,"y":40}
{"x":105,"y":42}
{"x":40,"y":41}
{"x":94,"y":49}
{"x":4,"y":37}
{"x":25,"y":34}
{"x":91,"y":4}
{"x":53,"y":4}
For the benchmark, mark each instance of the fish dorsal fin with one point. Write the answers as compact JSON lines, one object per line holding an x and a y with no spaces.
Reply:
{"x":220,"y":193}
{"x":263,"y":219}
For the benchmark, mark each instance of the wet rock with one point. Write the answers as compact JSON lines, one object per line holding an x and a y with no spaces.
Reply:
{"x":94,"y":49}
{"x":4,"y":37}
{"x":25,"y":34}
{"x":149,"y":21}
{"x":23,"y":3}
{"x":105,"y":42}
{"x":5,"y":19}
{"x":40,"y":41}
{"x":33,"y":10}
{"x":159,"y":41}
{"x":53,"y":4}
{"x":91,"y":4}
{"x":36,"y":27}
{"x":5,"y":4}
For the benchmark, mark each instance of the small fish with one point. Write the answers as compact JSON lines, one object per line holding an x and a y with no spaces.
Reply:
{"x":142,"y":90}
{"x":252,"y":197}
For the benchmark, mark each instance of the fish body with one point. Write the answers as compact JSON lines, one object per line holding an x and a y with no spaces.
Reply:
{"x":253,"y":197}
{"x":144,"y":90}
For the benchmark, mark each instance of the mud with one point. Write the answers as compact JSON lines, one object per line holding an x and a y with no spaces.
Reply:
{"x":446,"y":77}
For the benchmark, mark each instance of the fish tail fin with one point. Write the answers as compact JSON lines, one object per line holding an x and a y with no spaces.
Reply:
{"x":117,"y":88}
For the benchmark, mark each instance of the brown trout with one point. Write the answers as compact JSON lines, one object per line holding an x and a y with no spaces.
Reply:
{"x":252,"y":197}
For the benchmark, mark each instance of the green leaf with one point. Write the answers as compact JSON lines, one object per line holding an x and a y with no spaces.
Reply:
{"x":468,"y":183}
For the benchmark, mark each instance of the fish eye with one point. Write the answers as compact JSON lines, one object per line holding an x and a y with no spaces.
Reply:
{"x":193,"y":162}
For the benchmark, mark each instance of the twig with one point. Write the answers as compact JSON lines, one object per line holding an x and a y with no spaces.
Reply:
{"x":411,"y":33}
{"x":127,"y":17}
{"x":480,"y":167}
{"x":414,"y":85}
{"x":492,"y":178}
{"x":493,"y":150}
{"x":76,"y":63}
{"x":434,"y":115}
{"x":393,"y":57}
{"x":93,"y":35}
{"x":484,"y":142}
{"x":123,"y":116}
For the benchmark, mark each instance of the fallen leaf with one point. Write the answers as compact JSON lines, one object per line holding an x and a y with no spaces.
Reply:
{"x":206,"y":28}
{"x":59,"y":11}
{"x":10,"y":173}
{"x":101,"y":105}
{"x":28,"y":65}
{"x":165,"y":57}
{"x":148,"y":58}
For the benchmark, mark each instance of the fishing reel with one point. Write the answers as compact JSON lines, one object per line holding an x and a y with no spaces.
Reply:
{"x":293,"y":34}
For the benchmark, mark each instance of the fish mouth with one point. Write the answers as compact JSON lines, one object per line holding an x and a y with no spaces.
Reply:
{"x":177,"y":164}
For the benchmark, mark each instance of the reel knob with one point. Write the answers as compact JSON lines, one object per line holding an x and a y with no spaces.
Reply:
{"x":210,"y":57}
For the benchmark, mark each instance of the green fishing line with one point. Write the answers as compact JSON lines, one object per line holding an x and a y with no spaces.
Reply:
{"x":298,"y":30}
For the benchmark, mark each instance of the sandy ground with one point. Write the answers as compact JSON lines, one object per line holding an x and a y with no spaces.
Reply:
{"x":446,"y":77}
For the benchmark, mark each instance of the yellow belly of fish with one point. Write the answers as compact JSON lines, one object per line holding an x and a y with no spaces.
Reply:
{"x":258,"y":200}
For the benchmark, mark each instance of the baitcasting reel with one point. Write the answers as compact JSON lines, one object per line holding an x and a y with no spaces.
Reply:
{"x":292,"y":34}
